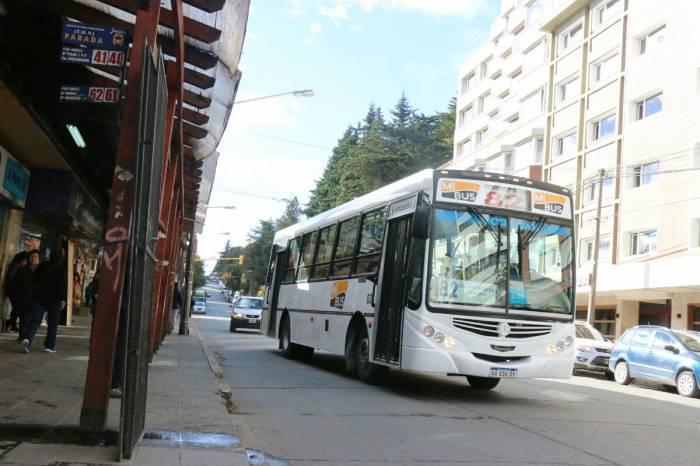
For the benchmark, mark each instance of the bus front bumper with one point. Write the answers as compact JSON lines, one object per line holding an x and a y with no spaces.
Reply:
{"x":558,"y":366}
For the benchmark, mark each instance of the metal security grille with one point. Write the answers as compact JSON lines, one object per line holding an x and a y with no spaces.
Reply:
{"x":141,"y":258}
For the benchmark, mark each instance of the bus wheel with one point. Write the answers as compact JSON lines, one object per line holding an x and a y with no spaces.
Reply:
{"x":368,"y":372}
{"x":482,"y":383}
{"x":286,"y":346}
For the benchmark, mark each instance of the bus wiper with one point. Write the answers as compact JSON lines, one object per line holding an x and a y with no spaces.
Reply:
{"x":484,"y":225}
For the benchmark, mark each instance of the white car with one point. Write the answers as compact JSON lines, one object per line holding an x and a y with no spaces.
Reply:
{"x":200,"y":306}
{"x":592,"y":350}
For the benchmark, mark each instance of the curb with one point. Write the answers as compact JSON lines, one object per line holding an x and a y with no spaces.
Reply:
{"x":213,"y":364}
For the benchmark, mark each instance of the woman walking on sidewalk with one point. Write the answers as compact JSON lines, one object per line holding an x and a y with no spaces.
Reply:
{"x":50,"y":288}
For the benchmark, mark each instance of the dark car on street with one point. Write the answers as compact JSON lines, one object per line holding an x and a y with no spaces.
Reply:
{"x":670,"y":357}
{"x":246,"y":313}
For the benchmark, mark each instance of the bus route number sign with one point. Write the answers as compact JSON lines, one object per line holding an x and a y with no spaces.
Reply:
{"x":507,"y":198}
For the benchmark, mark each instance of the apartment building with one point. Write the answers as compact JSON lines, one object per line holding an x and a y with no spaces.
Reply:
{"x":622,"y":89}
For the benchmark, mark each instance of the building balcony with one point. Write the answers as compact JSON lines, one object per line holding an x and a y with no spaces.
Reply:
{"x":505,"y":43}
{"x":501,"y":86}
{"x":512,"y":64}
{"x":517,"y":19}
{"x":497,"y":28}
{"x":495,"y":67}
{"x":556,"y":12}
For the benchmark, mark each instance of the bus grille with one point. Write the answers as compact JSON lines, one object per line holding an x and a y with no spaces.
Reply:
{"x":501,"y":328}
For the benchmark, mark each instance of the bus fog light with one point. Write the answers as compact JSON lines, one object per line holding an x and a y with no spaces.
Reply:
{"x":551,"y":349}
{"x":449,"y":342}
{"x":560,"y":346}
{"x":428,"y":331}
{"x":568,"y":341}
{"x":439,"y":337}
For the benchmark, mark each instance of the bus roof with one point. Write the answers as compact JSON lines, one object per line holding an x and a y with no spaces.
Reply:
{"x":421,"y":181}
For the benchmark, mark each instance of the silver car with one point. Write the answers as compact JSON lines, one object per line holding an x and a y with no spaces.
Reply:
{"x":592,"y":350}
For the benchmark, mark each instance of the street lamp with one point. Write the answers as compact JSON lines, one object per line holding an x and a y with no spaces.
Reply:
{"x":228,"y":207}
{"x":301,"y":93}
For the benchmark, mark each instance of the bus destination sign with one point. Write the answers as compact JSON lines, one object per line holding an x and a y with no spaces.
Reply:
{"x":503,"y":196}
{"x":93,"y":44}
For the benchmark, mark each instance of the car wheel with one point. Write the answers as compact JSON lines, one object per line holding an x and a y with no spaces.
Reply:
{"x":622,"y":373}
{"x":687,"y":385}
{"x":610,"y":375}
{"x":367,"y":371}
{"x":482,"y":383}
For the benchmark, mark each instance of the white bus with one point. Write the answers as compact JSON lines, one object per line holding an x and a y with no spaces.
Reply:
{"x":448,"y":272}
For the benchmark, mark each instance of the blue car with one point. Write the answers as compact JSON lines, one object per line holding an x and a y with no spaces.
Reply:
{"x":671,"y":357}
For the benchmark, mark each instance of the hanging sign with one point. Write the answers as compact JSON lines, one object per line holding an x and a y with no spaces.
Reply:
{"x":89,"y":94}
{"x":92,"y":44}
{"x":14,"y":178}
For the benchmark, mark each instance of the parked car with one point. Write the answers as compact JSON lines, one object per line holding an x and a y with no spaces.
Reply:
{"x":246,"y":313}
{"x":671,"y":357}
{"x":199,"y":305}
{"x":592,"y":350}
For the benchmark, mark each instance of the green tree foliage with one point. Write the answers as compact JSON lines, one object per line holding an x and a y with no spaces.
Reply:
{"x":198,"y":279}
{"x":377,"y":152}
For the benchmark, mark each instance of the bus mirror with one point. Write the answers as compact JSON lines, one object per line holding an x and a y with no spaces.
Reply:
{"x":421,"y":221}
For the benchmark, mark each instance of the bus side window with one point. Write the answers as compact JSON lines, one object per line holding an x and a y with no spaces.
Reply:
{"x":371,"y":241}
{"x":323,"y":258}
{"x":345,"y":247}
{"x":292,"y":260}
{"x":308,"y":245}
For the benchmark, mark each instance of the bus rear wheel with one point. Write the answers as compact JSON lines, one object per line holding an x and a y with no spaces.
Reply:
{"x":482,"y":383}
{"x":367,"y":371}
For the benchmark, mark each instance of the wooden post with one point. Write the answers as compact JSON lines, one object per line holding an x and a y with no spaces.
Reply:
{"x":93,"y":415}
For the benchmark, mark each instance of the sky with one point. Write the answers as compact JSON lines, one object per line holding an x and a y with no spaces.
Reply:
{"x":350,"y":53}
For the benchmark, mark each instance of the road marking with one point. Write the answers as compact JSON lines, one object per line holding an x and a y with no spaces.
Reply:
{"x":211,"y":317}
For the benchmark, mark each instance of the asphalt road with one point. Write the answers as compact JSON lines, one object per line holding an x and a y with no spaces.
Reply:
{"x":313,"y":413}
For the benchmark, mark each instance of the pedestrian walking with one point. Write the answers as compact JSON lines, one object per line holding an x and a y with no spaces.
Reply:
{"x":177,"y":302}
{"x":50,"y":289}
{"x":18,"y":262}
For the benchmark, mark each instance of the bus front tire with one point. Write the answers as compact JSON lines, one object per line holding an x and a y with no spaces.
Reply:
{"x":292,"y":350}
{"x":482,"y":383}
{"x":368,"y":372}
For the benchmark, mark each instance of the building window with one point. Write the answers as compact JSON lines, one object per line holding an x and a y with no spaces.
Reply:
{"x":534,"y":12}
{"x":484,"y":70}
{"x":463,"y":146}
{"x":466,"y":115}
{"x":604,"y":322}
{"x":508,"y":162}
{"x":645,"y":174}
{"x":603,"y":127}
{"x":587,"y":251}
{"x":533,"y":104}
{"x":608,"y":10}
{"x":566,"y":144}
{"x":604,"y":68}
{"x":591,"y":193}
{"x":468,"y":83}
{"x":484,"y":101}
{"x":534,"y":56}
{"x":539,"y":150}
{"x":570,"y":37}
{"x":481,"y":136}
{"x":569,"y":89}
{"x":642,"y":242}
{"x":652,"y":41}
{"x":649,"y":106}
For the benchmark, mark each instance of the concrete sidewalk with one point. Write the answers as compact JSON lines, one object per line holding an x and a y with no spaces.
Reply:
{"x":187,"y":421}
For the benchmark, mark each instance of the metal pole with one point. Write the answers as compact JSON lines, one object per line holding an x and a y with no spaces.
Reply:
{"x":187,"y":289}
{"x":596,"y":247}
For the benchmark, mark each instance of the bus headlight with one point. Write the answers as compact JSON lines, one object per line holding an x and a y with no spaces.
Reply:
{"x":557,"y":347}
{"x":439,"y":337}
{"x":428,"y":331}
{"x":568,"y":341}
{"x":449,"y":342}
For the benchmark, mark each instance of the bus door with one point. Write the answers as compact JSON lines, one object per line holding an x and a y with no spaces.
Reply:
{"x":279,"y":258}
{"x":389,"y":313}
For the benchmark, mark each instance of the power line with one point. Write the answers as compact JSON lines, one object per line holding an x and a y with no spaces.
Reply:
{"x":290,"y":141}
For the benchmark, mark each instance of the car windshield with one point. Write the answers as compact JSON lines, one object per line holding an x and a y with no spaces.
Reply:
{"x":499,"y":261}
{"x":249,"y":303}
{"x":689,"y":340}
{"x":589,"y":333}
{"x":199,"y":301}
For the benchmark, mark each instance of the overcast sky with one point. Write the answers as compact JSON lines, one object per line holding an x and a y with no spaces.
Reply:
{"x":351,"y":53}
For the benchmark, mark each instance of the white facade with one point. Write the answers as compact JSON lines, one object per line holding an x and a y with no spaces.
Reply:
{"x":622,"y":94}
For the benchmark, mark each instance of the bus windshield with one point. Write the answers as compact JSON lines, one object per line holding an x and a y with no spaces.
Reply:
{"x":482,"y":259}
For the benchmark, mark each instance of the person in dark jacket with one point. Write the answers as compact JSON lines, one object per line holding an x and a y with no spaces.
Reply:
{"x":50,"y":290}
{"x":177,"y":302}
{"x":19,"y":262}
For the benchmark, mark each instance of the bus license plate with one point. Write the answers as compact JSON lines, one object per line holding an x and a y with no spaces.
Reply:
{"x":252,"y":321}
{"x":503,"y":372}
